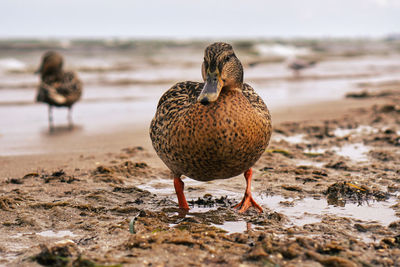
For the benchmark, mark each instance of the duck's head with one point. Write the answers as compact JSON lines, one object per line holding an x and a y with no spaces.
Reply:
{"x":221,"y":70}
{"x":52,"y":63}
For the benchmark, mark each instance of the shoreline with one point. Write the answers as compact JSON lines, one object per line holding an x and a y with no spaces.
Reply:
{"x":67,"y":149}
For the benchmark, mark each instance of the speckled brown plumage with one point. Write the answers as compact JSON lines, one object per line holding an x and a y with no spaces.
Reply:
{"x":207,"y":142}
{"x":211,"y":140}
{"x":57,"y":87}
{"x":61,"y":91}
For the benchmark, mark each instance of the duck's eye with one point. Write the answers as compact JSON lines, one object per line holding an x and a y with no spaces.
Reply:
{"x":227,"y":58}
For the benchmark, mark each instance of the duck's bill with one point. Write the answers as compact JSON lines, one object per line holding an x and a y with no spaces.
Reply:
{"x":211,"y":90}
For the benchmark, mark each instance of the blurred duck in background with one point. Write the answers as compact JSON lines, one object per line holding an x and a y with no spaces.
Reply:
{"x":58,"y":88}
{"x":296,"y":65}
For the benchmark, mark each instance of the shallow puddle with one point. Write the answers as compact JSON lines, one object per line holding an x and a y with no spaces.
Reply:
{"x":51,"y":233}
{"x":165,"y":187}
{"x":301,"y":162}
{"x":293,"y":139}
{"x":357,"y":152}
{"x":315,"y":150}
{"x":309,"y":210}
{"x":159,"y":187}
{"x":362,"y":129}
{"x":299,"y":211}
{"x":234,"y":227}
{"x":47,"y":233}
{"x":199,"y":209}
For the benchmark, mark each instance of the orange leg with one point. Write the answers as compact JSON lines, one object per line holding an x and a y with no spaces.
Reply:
{"x":179,"y":185}
{"x":248,"y":200}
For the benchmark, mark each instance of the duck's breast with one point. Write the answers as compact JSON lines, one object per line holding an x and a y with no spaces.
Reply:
{"x":216,"y":141}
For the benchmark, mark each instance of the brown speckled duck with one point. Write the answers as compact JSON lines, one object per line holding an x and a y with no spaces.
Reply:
{"x":212,"y":130}
{"x":58,"y":88}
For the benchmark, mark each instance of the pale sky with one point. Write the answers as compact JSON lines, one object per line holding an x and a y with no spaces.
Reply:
{"x":198,"y":19}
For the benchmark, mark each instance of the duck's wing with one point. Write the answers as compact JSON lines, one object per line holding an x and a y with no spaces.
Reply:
{"x":60,"y":91}
{"x":70,"y":87}
{"x":172,"y":106}
{"x":47,"y":93}
{"x":179,"y":96}
{"x":256,"y":101}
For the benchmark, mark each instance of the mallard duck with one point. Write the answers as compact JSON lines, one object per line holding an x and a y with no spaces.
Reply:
{"x":57,"y":88}
{"x":212,"y":130}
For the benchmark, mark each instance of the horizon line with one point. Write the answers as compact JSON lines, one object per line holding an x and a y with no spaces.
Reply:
{"x":197,"y":38}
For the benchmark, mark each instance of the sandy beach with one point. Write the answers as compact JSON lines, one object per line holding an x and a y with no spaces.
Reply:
{"x":99,"y":195}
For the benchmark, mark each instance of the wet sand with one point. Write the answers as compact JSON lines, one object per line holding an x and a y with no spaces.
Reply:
{"x":328,"y":184}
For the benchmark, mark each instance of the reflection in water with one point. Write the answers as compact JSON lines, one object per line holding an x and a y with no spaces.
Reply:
{"x":22,"y":133}
{"x":309,"y":210}
{"x":357,"y":152}
{"x":63,"y":130}
{"x":300,"y":212}
{"x":166,"y":187}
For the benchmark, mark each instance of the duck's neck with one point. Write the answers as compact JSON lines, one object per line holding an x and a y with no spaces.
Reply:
{"x":226,"y":91}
